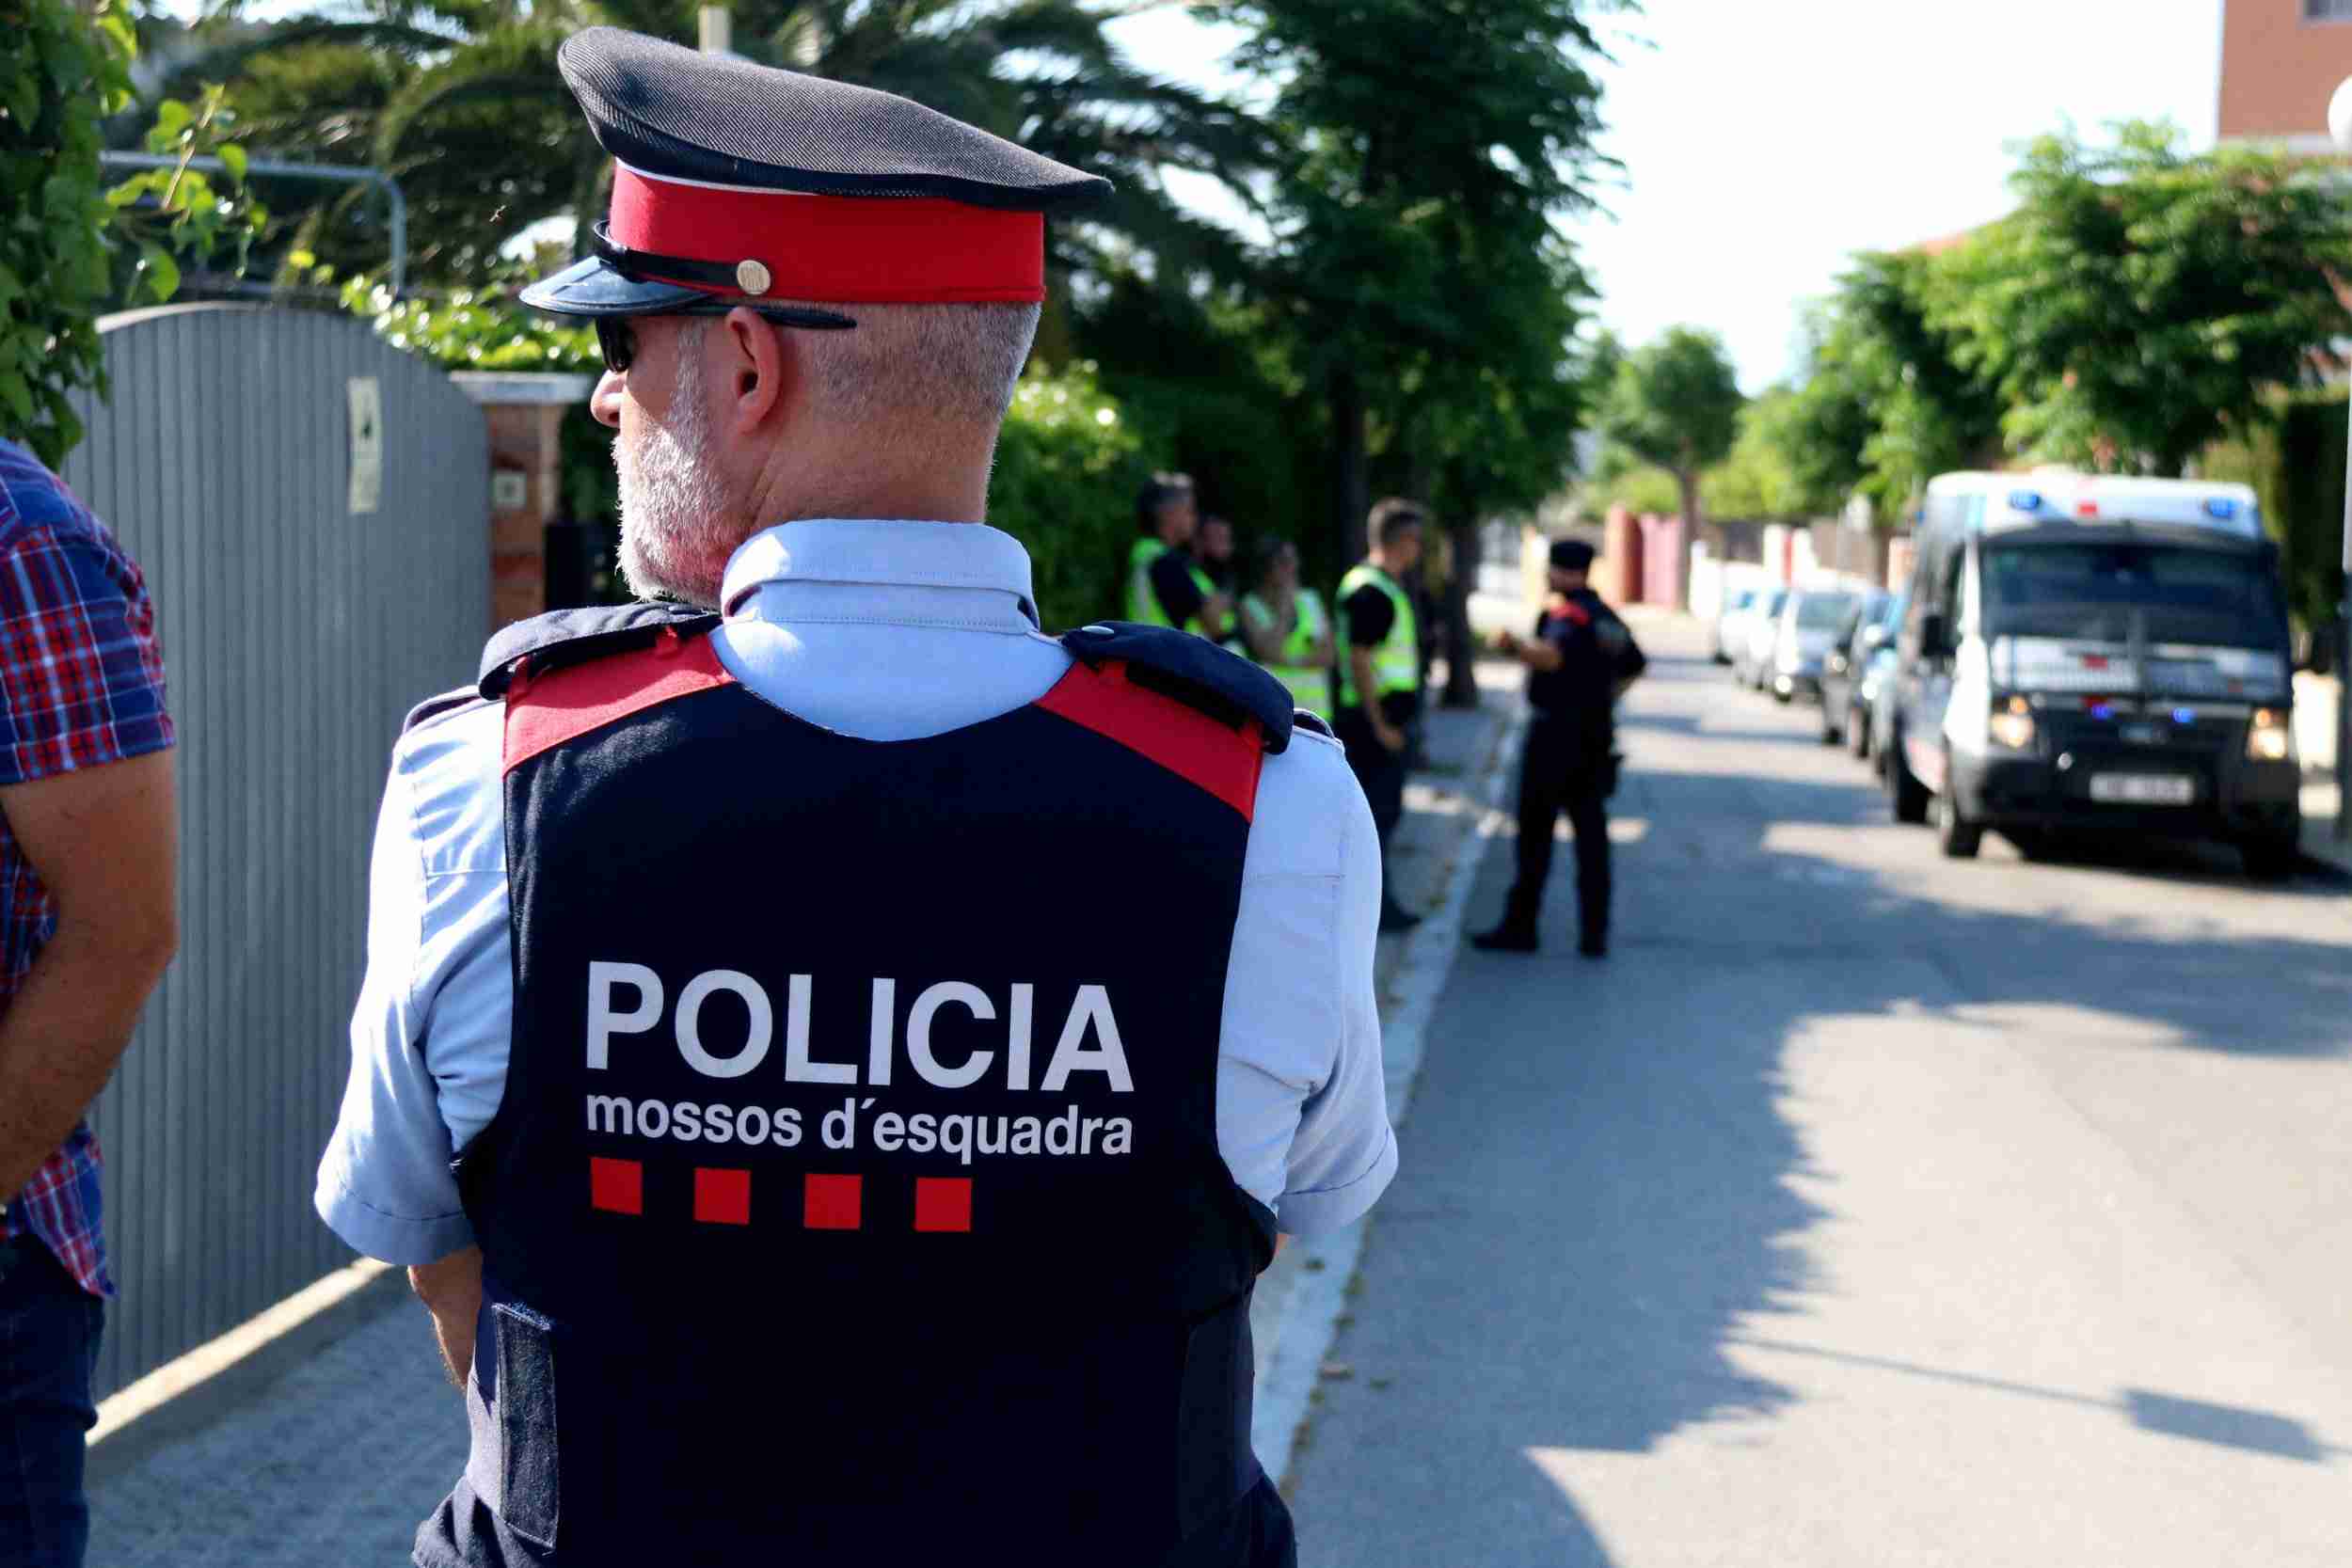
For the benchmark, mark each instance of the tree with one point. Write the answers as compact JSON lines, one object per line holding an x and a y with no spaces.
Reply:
{"x":1886,"y":403}
{"x":1675,"y":405}
{"x":2144,"y":301}
{"x":1756,"y":479}
{"x":69,"y":243}
{"x":461,"y":102}
{"x":1423,"y":283}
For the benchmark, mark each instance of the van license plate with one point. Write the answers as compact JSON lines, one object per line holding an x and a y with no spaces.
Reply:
{"x":2143,"y":789}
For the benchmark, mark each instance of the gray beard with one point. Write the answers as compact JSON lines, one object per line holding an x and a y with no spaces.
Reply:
{"x":675,"y":538}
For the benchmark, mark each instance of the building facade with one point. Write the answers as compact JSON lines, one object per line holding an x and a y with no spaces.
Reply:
{"x":2282,"y":60}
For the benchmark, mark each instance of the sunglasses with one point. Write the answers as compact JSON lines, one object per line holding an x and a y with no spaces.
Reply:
{"x":617,"y":340}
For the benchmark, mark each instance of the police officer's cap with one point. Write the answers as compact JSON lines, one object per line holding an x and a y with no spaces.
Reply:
{"x":737,"y":183}
{"x":1572,"y":555}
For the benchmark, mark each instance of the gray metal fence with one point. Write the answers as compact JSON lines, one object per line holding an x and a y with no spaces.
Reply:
{"x":297,"y":630}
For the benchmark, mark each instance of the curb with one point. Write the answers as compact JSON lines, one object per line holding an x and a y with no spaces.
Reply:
{"x":185,"y":1395}
{"x":1287,"y":1384}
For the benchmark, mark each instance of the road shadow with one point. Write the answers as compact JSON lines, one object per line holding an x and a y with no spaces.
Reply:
{"x":1600,"y":1196}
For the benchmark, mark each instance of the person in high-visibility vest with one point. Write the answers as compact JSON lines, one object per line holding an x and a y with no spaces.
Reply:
{"x":1287,"y":629}
{"x":1379,"y":687}
{"x":1166,"y":587}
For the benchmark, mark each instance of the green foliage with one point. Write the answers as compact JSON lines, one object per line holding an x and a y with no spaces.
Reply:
{"x":1067,"y":466}
{"x":2143,"y":301}
{"x":1203,"y":383}
{"x":1429,"y":301}
{"x":1675,"y":404}
{"x":463,"y":105}
{"x":1886,"y":403}
{"x":162,"y":216}
{"x":470,"y":329}
{"x":1757,"y":480}
{"x":60,"y":73}
{"x":2307,"y":516}
{"x":69,"y":245}
{"x":1621,"y":479}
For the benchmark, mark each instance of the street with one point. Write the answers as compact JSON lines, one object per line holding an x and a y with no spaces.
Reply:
{"x":1865,"y":1208}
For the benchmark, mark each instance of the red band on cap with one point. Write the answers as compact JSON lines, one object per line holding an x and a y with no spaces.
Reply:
{"x":839,"y":249}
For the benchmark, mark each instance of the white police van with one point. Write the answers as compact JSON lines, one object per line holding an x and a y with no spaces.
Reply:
{"x":2086,"y":652}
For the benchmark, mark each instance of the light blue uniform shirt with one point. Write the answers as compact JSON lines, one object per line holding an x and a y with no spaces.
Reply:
{"x":886,"y":631}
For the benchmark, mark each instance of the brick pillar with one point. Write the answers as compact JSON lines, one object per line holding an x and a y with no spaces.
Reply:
{"x":1618,"y":579}
{"x":525,"y":414}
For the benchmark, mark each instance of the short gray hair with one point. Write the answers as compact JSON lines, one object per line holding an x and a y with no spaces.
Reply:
{"x":956,"y":364}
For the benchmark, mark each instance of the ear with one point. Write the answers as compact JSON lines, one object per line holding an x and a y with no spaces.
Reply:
{"x":760,"y":366}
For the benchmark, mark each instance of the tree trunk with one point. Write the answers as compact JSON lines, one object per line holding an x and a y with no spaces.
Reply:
{"x":1350,"y":465}
{"x":1689,"y":480}
{"x":1461,"y":680}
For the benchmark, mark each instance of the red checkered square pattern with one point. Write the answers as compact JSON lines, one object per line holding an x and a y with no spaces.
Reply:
{"x":833,"y":1203}
{"x":943,"y":1203}
{"x":617,"y":1186}
{"x":723,"y":1197}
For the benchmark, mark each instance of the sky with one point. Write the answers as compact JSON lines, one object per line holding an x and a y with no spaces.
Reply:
{"x":1764,"y":144}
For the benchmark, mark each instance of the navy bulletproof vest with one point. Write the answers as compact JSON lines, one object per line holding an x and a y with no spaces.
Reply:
{"x":855,"y":1196}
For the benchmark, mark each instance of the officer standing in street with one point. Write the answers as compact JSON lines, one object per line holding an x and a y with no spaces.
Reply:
{"x":835,"y":1059}
{"x":1166,"y":586}
{"x":1379,"y":671}
{"x":1288,"y":631}
{"x":1578,"y":663}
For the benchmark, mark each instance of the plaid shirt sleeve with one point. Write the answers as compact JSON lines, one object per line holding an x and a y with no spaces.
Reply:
{"x":81,"y":676}
{"x":81,"y":686}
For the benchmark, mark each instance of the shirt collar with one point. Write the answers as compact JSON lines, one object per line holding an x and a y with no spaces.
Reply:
{"x":874,"y":553}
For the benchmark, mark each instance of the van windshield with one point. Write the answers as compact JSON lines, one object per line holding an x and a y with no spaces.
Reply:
{"x":2089,"y":592}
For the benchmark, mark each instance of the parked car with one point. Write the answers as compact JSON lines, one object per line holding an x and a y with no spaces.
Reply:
{"x":1802,"y":641}
{"x":1751,"y":639}
{"x":1845,"y":706}
{"x":2090,"y":650}
{"x":1731,"y":621}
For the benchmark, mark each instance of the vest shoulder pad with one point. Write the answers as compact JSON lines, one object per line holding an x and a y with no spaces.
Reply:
{"x":434,"y":707}
{"x":564,"y":637}
{"x":1193,"y":670}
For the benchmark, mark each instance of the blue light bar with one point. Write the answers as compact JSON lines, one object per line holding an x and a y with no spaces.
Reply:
{"x":2024,"y":500}
{"x":2221,"y":507}
{"x":2184,"y":716}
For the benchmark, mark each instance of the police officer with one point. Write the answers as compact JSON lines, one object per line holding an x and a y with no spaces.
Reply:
{"x":878,"y":1045}
{"x":1578,"y":663}
{"x":1166,"y":586}
{"x":1287,"y":629}
{"x":1379,"y":671}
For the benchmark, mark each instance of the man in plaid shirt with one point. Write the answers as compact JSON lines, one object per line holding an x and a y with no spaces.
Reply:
{"x":86,"y":925}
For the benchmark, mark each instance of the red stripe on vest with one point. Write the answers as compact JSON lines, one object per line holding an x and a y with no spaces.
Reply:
{"x":548,"y":711}
{"x":1185,"y":741}
{"x":839,"y":249}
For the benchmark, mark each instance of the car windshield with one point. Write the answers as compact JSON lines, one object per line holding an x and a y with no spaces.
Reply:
{"x":2094,"y":592}
{"x":1823,"y":611}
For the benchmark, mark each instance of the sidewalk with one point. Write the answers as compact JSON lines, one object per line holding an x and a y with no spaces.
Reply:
{"x":2319,"y":826}
{"x":337,"y":1461}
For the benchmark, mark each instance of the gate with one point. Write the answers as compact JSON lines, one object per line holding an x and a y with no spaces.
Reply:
{"x":237,"y":462}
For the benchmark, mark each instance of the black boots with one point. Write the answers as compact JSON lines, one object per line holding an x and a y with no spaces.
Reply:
{"x":1506,"y":937}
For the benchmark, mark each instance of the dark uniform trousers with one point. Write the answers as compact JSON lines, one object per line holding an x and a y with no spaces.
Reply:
{"x":1563,"y":770}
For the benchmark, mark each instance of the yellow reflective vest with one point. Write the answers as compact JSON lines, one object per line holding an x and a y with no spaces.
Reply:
{"x":1396,"y":659}
{"x":1143,"y":600}
{"x":1309,"y":683}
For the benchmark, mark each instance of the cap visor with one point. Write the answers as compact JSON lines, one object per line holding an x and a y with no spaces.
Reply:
{"x":593,"y":288}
